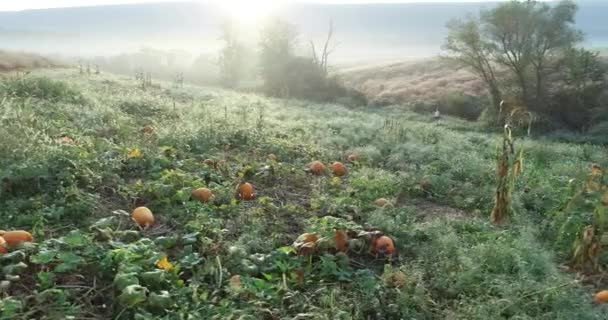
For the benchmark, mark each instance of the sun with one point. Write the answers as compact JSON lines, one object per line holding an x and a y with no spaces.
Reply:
{"x":247,"y":11}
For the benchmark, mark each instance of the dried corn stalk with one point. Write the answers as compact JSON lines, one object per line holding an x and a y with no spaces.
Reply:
{"x":509,"y":168}
{"x":588,"y":245}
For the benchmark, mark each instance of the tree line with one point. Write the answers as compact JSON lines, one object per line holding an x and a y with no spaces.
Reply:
{"x":284,"y":72}
{"x":530,"y":57}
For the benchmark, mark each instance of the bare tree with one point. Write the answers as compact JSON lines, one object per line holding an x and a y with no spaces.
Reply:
{"x":328,"y":47}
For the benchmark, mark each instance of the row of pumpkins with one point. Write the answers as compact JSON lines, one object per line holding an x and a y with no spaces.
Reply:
{"x":305,"y":244}
{"x":144,"y":217}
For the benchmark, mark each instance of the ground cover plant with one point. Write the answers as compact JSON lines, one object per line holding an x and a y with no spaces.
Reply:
{"x":183,"y":202}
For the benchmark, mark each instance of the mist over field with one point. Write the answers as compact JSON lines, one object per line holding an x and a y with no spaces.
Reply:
{"x":367,"y":33}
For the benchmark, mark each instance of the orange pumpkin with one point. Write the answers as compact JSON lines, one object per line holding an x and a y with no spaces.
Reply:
{"x":601,"y":297}
{"x":385,"y":245}
{"x":143,"y":217}
{"x":339,"y":169}
{"x":202,"y":194}
{"x":246,"y":191}
{"x":306,"y":243}
{"x":16,"y":237}
{"x":341,"y":239}
{"x":3,"y":249}
{"x":147,"y":129}
{"x":353,"y":158}
{"x":209,"y":162}
{"x":381,"y":202}
{"x":317,"y":167}
{"x":272,"y":157}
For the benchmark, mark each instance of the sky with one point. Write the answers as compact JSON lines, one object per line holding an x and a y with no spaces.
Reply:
{"x":15,"y":5}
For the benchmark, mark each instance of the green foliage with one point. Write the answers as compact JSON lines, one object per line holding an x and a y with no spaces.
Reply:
{"x":231,"y":259}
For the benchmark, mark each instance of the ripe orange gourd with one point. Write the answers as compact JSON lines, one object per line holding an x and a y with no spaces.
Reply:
{"x":3,"y":249}
{"x":601,"y":297}
{"x":16,"y":237}
{"x":352,"y":158}
{"x":339,"y":169}
{"x":272,"y":157}
{"x":143,"y":217}
{"x":202,"y":194}
{"x":317,"y":167}
{"x":246,"y":191}
{"x":385,"y":245}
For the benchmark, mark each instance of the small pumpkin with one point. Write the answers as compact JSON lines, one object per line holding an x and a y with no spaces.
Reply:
{"x":3,"y":249}
{"x":601,"y":297}
{"x":143,"y":217}
{"x":317,"y":167}
{"x":341,"y":240}
{"x":339,"y":169}
{"x":16,"y":237}
{"x":272,"y":157}
{"x":209,"y":162}
{"x":352,"y":158}
{"x":382,"y":202}
{"x":305,"y":244}
{"x":246,"y":191}
{"x":202,"y":194}
{"x":148,"y":129}
{"x":384,"y":245}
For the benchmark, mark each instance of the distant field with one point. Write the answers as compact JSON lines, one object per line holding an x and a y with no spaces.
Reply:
{"x":10,"y":61}
{"x":413,"y":81}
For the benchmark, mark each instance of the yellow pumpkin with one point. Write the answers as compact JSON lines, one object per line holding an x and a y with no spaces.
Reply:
{"x":317,"y":167}
{"x":143,"y":217}
{"x":601,"y":297}
{"x":3,"y":249}
{"x":16,"y":237}
{"x":202,"y":194}
{"x":246,"y":191}
{"x":339,"y":169}
{"x":384,"y":245}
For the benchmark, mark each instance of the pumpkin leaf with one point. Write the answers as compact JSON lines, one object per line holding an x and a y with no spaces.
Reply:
{"x":133,"y":295}
{"x":160,"y":300}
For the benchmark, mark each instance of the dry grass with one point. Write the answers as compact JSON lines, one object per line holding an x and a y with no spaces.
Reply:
{"x":16,"y":61}
{"x":412,"y":81}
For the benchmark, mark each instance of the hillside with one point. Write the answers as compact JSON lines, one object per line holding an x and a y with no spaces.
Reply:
{"x":79,"y":153}
{"x":414,"y":81}
{"x":11,"y":61}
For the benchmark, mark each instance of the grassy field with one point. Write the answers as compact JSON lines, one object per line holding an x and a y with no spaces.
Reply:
{"x":75,"y":160}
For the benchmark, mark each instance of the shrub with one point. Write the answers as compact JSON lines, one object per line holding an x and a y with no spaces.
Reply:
{"x":40,"y":88}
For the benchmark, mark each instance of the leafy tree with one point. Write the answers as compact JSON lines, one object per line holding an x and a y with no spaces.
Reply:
{"x":277,"y":43}
{"x":524,"y":42}
{"x":466,"y":46}
{"x":232,"y":56}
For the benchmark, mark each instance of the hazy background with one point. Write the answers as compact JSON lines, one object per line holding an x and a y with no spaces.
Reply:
{"x":185,"y":36}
